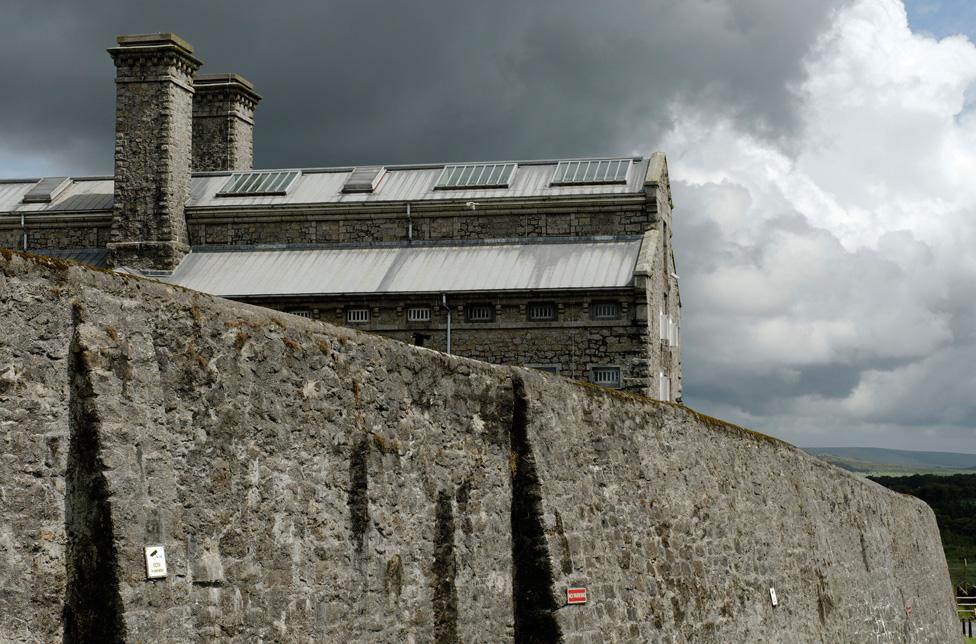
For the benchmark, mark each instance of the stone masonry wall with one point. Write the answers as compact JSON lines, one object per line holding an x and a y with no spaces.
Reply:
{"x":311,"y":225}
{"x":153,"y":139}
{"x":310,"y":483}
{"x":54,"y":232}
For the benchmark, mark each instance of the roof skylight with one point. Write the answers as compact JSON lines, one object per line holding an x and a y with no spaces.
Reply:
{"x":476,"y":175}
{"x":252,"y":184}
{"x":594,"y":171}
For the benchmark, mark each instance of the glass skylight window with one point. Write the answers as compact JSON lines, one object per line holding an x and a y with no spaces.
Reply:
{"x":476,"y":175}
{"x":253,"y":184}
{"x":595,"y":171}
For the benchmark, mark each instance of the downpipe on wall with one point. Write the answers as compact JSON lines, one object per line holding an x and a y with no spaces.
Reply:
{"x":444,"y":304}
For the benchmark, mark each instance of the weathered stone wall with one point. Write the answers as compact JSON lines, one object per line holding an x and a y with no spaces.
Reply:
{"x":48,"y":231}
{"x":311,"y":483}
{"x":153,"y":140}
{"x":223,"y":123}
{"x":380,"y":223}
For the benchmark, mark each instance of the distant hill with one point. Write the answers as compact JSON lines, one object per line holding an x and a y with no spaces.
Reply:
{"x":894,"y":462}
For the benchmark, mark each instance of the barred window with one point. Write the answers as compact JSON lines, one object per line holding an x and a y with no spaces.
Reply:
{"x":357,"y":316}
{"x":479,"y":313}
{"x":605,"y":310}
{"x":542,"y":311}
{"x":418,"y":314}
{"x":605,"y":376}
{"x":302,"y":313}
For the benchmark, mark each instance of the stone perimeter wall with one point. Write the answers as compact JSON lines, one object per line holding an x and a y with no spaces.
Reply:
{"x":314,"y":484}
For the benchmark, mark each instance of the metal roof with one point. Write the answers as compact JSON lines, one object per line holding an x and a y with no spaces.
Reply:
{"x":97,"y":257}
{"x":410,"y":269}
{"x":532,"y":179}
{"x":82,"y":194}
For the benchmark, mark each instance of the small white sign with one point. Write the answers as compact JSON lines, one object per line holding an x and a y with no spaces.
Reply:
{"x":155,"y":562}
{"x":772,"y":596}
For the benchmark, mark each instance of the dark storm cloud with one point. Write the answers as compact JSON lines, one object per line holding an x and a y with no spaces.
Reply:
{"x":359,"y":81}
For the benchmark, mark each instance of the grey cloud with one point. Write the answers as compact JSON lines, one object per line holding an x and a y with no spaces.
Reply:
{"x":354,"y":82}
{"x":908,"y":369}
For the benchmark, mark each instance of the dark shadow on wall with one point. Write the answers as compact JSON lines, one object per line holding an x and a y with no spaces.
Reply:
{"x":93,"y":606}
{"x":534,"y":605}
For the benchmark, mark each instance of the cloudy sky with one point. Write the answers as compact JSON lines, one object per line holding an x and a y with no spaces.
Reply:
{"x":822,"y":155}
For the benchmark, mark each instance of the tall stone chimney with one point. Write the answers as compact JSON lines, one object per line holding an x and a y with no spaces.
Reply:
{"x":223,"y":122}
{"x":153,"y":135}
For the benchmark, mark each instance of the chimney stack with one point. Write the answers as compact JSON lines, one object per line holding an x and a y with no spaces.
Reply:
{"x":223,"y":123}
{"x":153,"y":134}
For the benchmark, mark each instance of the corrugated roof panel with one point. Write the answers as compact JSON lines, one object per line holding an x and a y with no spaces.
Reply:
{"x":417,"y":184}
{"x":531,"y":179}
{"x":12,"y":195}
{"x":97,"y":257}
{"x":410,"y":269}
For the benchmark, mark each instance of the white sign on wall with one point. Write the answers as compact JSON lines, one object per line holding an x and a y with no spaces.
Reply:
{"x":772,"y":596}
{"x":155,"y":562}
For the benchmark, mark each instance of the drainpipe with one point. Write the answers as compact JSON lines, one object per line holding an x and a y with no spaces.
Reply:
{"x":410,"y":231}
{"x":23,"y":228}
{"x":444,"y":304}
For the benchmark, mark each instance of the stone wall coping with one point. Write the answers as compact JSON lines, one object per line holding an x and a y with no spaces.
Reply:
{"x":206,"y":83}
{"x":154,"y":39}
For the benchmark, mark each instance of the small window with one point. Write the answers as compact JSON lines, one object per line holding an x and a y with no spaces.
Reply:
{"x":542,"y":311}
{"x":605,"y":310}
{"x":605,"y":376}
{"x":302,"y":313}
{"x":479,"y":313}
{"x":357,"y":315}
{"x":418,"y":314}
{"x":664,"y":386}
{"x":548,"y":368}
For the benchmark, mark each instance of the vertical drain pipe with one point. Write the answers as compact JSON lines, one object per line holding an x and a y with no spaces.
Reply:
{"x":410,"y":228}
{"x":23,"y":228}
{"x":444,"y":304}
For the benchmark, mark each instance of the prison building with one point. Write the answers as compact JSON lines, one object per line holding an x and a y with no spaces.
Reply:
{"x":563,"y":265}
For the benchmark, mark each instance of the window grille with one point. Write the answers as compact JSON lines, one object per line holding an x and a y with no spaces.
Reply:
{"x":604,"y":310}
{"x":542,"y":311}
{"x":302,"y":313}
{"x":251,"y":184}
{"x":479,"y":313}
{"x":476,"y":175}
{"x":357,"y":316}
{"x":418,"y":314}
{"x":605,"y":376}
{"x":595,"y":171}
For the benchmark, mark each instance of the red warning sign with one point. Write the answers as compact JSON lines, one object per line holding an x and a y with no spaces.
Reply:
{"x":575,"y":595}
